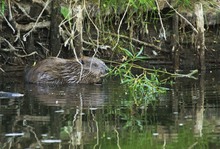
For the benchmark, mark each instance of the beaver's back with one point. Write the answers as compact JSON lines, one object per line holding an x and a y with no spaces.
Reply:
{"x":57,"y":70}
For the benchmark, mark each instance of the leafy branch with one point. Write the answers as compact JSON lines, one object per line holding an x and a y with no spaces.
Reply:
{"x":143,"y":86}
{"x":146,"y":85}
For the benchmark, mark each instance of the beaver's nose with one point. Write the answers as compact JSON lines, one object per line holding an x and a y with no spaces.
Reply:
{"x":104,"y":71}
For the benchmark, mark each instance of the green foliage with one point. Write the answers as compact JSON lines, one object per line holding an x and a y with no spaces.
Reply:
{"x":184,"y":3}
{"x":118,"y":5}
{"x":150,"y":4}
{"x":3,"y":6}
{"x":143,"y":86}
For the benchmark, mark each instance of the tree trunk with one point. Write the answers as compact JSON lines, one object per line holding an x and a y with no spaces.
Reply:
{"x":55,"y":43}
{"x":175,"y":42}
{"x":200,"y":44}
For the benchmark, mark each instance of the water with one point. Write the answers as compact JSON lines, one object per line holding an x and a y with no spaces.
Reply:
{"x":104,"y":116}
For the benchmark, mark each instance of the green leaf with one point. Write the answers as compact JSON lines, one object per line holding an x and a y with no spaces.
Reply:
{"x":133,"y":4}
{"x":65,"y":12}
{"x":140,"y":52}
{"x":128,"y":53}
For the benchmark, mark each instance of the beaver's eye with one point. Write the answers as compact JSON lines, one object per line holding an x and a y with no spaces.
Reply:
{"x":95,"y":65}
{"x":82,"y":62}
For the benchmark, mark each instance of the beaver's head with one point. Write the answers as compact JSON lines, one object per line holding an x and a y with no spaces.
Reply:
{"x":93,"y":70}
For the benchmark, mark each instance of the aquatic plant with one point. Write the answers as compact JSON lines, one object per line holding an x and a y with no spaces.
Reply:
{"x":142,"y":86}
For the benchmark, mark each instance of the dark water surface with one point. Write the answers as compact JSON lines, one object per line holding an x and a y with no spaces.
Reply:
{"x":104,"y":116}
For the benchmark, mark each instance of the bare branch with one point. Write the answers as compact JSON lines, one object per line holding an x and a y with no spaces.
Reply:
{"x":32,"y":53}
{"x":118,"y":31}
{"x":2,"y":69}
{"x":9,"y":24}
{"x":35,"y":24}
{"x":24,"y":11}
{"x":31,"y":26}
{"x":11,"y":47}
{"x":161,"y":22}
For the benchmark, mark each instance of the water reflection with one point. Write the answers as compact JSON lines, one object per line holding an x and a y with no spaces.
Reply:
{"x":77,"y":103}
{"x":199,"y":116}
{"x":68,"y":96}
{"x":104,"y":116}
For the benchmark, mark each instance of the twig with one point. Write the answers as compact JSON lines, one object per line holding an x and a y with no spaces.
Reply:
{"x":97,"y":130}
{"x":11,"y":47}
{"x":42,"y":3}
{"x":9,"y":9}
{"x":149,"y":70}
{"x":9,"y":24}
{"x":32,"y":131}
{"x":78,"y":26}
{"x":119,"y":26}
{"x":2,"y":69}
{"x":118,"y":139}
{"x":31,"y":26}
{"x":161,"y":21}
{"x":164,"y":143}
{"x":24,"y":11}
{"x":189,"y":75}
{"x":97,"y":29}
{"x":103,"y":47}
{"x":35,"y":135}
{"x":32,"y":53}
{"x":194,"y":29}
{"x":28,"y":33}
{"x":43,"y":47}
{"x":139,"y":41}
{"x":77,"y":59}
{"x":70,"y":32}
{"x":193,"y":145}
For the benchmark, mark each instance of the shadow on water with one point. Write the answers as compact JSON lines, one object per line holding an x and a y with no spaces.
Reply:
{"x":104,"y":116}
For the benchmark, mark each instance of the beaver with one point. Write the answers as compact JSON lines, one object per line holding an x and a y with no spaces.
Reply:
{"x":54,"y":70}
